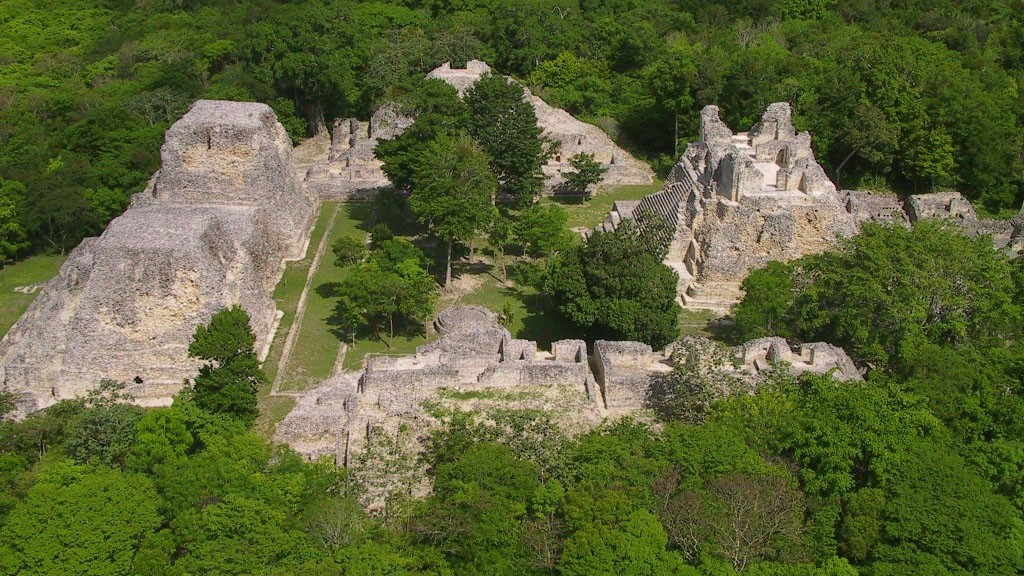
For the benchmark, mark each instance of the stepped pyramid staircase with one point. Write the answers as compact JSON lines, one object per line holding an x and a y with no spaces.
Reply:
{"x":670,"y":204}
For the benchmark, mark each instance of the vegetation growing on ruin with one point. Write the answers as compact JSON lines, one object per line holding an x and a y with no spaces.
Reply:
{"x":916,"y":470}
{"x":89,"y":86}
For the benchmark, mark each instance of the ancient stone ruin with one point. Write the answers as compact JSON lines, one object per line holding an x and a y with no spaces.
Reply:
{"x":573,"y":136}
{"x":212,"y":230}
{"x":475,"y":355}
{"x":348,"y":168}
{"x":738,"y":201}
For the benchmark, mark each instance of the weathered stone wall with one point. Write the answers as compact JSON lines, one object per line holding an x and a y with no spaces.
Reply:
{"x":573,"y":135}
{"x":350,"y":170}
{"x":738,"y":201}
{"x":623,"y":369}
{"x":340,"y":416}
{"x":212,"y":230}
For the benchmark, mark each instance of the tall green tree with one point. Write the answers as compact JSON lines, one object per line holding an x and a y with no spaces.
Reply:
{"x":453,"y":192}
{"x":227,"y":383}
{"x":613,"y":287}
{"x":506,"y":127}
{"x":13,"y":238}
{"x":586,"y":173}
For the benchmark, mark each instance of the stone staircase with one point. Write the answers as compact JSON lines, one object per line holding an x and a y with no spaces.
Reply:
{"x":715,"y":296}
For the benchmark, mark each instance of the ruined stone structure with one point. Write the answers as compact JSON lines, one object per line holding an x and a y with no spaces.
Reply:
{"x":573,"y":136}
{"x":348,"y":169}
{"x":212,"y":229}
{"x":954,"y":208}
{"x":474,"y":354}
{"x":738,"y":201}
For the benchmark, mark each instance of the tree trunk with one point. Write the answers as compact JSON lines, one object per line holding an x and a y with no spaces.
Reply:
{"x":501,"y":260}
{"x":448,"y":267}
{"x":839,"y":168}
{"x":472,"y":250}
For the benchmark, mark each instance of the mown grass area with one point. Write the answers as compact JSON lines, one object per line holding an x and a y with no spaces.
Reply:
{"x":401,"y":345}
{"x":289,"y":289}
{"x":273,"y":409}
{"x":697,"y":323}
{"x":594,"y":211}
{"x":34,"y":270}
{"x":317,"y":343}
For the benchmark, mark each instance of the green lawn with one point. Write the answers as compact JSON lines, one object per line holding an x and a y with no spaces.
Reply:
{"x":595,"y":210}
{"x":695,"y":323}
{"x":34,"y":270}
{"x":289,"y":289}
{"x":317,"y":344}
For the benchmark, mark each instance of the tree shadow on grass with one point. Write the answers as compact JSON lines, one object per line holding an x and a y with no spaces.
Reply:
{"x":328,"y":290}
{"x":568,"y":199}
{"x":543,"y":322}
{"x":361,"y":212}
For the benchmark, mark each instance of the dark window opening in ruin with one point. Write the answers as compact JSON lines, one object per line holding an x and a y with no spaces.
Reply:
{"x":137,"y":380}
{"x":209,"y":140}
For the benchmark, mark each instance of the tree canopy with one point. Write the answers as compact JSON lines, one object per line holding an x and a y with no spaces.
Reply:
{"x":613,"y":287}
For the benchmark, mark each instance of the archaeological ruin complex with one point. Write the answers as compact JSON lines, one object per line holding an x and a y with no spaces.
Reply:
{"x":232,"y":202}
{"x":476,"y":355}
{"x":348,"y":169}
{"x":737,"y":201}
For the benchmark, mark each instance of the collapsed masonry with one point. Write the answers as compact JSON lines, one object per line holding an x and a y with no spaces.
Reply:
{"x":212,"y":229}
{"x":738,"y":201}
{"x":474,"y":354}
{"x":350,"y":171}
{"x":349,"y":168}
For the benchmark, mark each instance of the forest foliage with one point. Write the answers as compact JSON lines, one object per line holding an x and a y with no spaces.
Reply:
{"x":917,"y":470}
{"x":913,"y":95}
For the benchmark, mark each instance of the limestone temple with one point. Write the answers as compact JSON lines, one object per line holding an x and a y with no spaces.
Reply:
{"x":737,"y":201}
{"x":212,"y":229}
{"x":347,"y":167}
{"x":232,"y":202}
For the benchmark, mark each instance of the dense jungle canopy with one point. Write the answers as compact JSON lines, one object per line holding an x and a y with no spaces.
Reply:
{"x":918,"y":469}
{"x":910,"y":95}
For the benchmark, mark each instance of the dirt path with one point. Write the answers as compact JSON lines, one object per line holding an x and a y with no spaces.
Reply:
{"x":300,"y":308}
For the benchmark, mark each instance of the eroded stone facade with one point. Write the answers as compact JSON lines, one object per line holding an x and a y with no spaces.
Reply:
{"x":212,"y":230}
{"x":737,"y":201}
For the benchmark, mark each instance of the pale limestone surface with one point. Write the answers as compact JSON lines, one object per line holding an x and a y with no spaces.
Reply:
{"x":211,"y":230}
{"x":477,"y":358}
{"x":349,"y":169}
{"x":738,"y":201}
